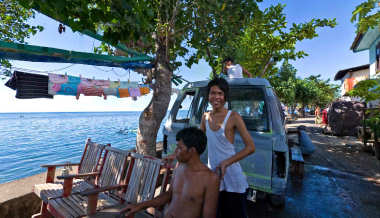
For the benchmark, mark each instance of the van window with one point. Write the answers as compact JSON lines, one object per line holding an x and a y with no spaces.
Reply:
{"x":183,"y":114}
{"x":250,"y":104}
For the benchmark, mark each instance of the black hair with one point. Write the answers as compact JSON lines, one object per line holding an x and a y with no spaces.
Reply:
{"x":193,"y":137}
{"x":221,"y":83}
{"x":228,"y":59}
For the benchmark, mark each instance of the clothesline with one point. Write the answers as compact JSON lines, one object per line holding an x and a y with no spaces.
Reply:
{"x":59,"y":69}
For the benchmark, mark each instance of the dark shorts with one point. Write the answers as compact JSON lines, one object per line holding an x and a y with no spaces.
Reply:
{"x":232,"y":205}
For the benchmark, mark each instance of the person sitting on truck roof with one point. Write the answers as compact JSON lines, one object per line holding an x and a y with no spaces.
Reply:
{"x":194,"y":188}
{"x":220,"y":126}
{"x":233,"y":70}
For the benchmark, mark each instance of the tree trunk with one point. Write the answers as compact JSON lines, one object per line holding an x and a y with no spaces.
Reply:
{"x":151,"y":117}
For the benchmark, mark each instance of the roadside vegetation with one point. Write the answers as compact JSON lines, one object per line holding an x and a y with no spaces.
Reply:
{"x":309,"y":92}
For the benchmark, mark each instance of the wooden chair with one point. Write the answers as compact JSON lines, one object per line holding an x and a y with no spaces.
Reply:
{"x":142,"y":179}
{"x":89,"y":163}
{"x":111,"y":174}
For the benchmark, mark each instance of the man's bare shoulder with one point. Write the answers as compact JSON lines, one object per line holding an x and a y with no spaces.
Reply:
{"x":209,"y":175}
{"x":235,"y":114}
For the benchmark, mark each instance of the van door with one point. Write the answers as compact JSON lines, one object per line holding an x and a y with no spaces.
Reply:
{"x":179,"y":118}
{"x":250,"y":102}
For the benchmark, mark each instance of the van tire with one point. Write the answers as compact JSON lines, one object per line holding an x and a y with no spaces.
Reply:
{"x":277,"y":200}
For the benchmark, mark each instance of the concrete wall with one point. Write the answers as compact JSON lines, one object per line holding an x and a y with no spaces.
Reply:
{"x":17,"y":199}
{"x":372,"y":58}
{"x":24,"y":206}
{"x":358,"y":75}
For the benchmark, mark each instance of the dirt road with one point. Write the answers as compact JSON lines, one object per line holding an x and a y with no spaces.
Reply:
{"x":340,"y":180}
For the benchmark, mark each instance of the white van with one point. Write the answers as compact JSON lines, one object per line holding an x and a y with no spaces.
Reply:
{"x":255,"y":100}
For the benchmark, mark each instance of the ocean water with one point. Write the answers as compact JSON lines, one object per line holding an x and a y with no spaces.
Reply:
{"x":28,"y":140}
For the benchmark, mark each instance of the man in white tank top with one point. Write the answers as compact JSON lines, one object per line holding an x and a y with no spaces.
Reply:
{"x":233,"y":70}
{"x":220,"y":126}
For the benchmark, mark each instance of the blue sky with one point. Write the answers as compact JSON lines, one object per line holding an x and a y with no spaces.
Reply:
{"x":328,"y":54}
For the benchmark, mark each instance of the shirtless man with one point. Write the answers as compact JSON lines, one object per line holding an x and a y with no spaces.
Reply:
{"x":220,"y":126}
{"x":194,"y":188}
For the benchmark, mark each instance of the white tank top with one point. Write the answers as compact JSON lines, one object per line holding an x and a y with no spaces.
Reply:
{"x":235,"y":71}
{"x":219,"y":149}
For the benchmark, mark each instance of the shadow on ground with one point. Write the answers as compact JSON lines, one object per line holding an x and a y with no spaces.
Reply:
{"x":324,"y":192}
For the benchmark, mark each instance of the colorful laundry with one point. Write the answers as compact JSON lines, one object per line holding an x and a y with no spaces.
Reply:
{"x":57,"y":78}
{"x":134,"y":92}
{"x":68,"y":88}
{"x":29,"y":85}
{"x":110,"y":91}
{"x":123,"y":93}
{"x":144,"y":90}
{"x":127,"y":85}
{"x":114,"y":84}
{"x":40,"y":86}
{"x":92,"y":91}
{"x":92,"y":82}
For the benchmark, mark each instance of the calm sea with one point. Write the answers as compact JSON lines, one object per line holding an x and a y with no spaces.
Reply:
{"x":28,"y":140}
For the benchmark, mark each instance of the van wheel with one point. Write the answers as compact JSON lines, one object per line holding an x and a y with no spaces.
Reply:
{"x":277,"y":200}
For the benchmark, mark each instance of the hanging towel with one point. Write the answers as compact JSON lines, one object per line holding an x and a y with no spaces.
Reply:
{"x":68,"y":88}
{"x":91,"y":87}
{"x":110,"y":91}
{"x":127,"y":85}
{"x":144,"y":90}
{"x":91,"y":91}
{"x":29,"y":85}
{"x":114,"y":84}
{"x":134,"y":92}
{"x":57,"y":78}
{"x":122,"y":93}
{"x":102,"y":83}
{"x":92,"y":83}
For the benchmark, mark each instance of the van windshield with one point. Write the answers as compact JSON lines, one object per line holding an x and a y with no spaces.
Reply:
{"x":249,"y":102}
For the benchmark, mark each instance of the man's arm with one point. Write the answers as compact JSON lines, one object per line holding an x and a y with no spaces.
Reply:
{"x":246,"y":73}
{"x":203,"y":124}
{"x":247,"y":139}
{"x":210,"y":201}
{"x":160,"y":200}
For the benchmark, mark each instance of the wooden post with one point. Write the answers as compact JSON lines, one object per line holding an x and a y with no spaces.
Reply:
{"x":50,"y":175}
{"x":67,"y":187}
{"x":91,"y":204}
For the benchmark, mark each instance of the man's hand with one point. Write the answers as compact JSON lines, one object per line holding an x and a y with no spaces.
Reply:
{"x":131,"y":209}
{"x":170,"y":160}
{"x":221,"y":169}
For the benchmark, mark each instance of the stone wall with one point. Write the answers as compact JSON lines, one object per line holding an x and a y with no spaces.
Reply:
{"x":17,"y":199}
{"x":21,"y":207}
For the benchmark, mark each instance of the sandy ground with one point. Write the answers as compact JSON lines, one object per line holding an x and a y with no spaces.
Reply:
{"x":340,"y":153}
